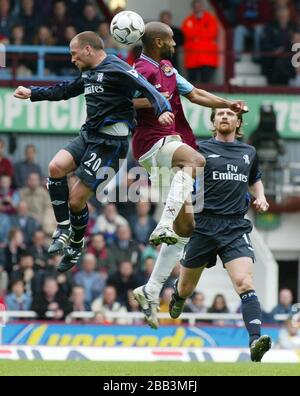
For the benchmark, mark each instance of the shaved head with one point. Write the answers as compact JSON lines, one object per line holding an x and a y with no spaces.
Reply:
{"x":155,"y":30}
{"x":89,"y":38}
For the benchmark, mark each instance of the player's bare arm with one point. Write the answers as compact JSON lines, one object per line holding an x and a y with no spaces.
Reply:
{"x":206,"y":99}
{"x":258,"y":191}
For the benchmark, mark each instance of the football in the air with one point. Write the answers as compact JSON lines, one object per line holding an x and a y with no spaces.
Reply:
{"x":127,"y":27}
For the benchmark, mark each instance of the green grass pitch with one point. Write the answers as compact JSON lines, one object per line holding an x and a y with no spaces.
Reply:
{"x":81,"y":368}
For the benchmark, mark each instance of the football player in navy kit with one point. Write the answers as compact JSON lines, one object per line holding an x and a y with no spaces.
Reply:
{"x":221,"y":229}
{"x":109,"y":86}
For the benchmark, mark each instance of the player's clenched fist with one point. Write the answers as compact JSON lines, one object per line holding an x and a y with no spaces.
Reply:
{"x":166,"y":118}
{"x":22,"y":93}
{"x":261,"y":205}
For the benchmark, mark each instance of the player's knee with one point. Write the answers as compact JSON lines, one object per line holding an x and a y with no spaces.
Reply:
{"x":194,"y":163}
{"x":200,"y":161}
{"x":55,"y":170}
{"x":244,"y":283}
{"x":184,"y":228}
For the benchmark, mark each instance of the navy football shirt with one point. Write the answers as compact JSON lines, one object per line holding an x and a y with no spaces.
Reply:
{"x":230,"y":169}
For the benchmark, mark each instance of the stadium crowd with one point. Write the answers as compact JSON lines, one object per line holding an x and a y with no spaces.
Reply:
{"x":117,"y":259}
{"x":266,"y":28}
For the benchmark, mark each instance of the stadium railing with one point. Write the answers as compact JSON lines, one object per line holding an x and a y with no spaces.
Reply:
{"x":191,"y":318}
{"x":16,"y":55}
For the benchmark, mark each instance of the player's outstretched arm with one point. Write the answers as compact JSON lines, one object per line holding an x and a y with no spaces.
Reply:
{"x":22,"y":92}
{"x":204,"y":98}
{"x":61,"y":91}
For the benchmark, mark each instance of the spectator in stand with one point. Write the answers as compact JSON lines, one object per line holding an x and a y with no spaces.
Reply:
{"x":167,"y":18}
{"x":27,"y":224}
{"x":219,"y":305}
{"x":108,"y":303}
{"x":133,"y":306}
{"x":6,"y":167}
{"x":39,"y":250}
{"x":64,"y":281}
{"x":277,"y":43}
{"x":78,"y":299}
{"x":9,"y":198}
{"x":106,"y":262}
{"x":147,"y":268}
{"x":36,"y":197}
{"x":200,"y":44}
{"x":104,"y":33}
{"x":285,"y":303}
{"x":7,"y":20}
{"x":142,"y":224}
{"x":252,"y":15}
{"x":91,"y":280}
{"x":125,"y":248}
{"x":124,"y":280}
{"x":108,"y":223}
{"x":18,"y":300}
{"x":5,"y":225}
{"x":290,"y":4}
{"x":59,"y":20}
{"x":89,"y":19}
{"x":92,"y":221}
{"x":12,"y":252}
{"x":68,"y":34}
{"x":44,"y":36}
{"x":196,"y":304}
{"x":3,"y":280}
{"x":24,"y":271}
{"x":150,"y":251}
{"x":51,"y":300}
{"x":29,"y":18}
{"x":17,"y":36}
{"x":289,"y":335}
{"x":22,"y":169}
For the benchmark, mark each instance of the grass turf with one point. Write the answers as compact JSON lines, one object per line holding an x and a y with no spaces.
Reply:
{"x":88,"y":368}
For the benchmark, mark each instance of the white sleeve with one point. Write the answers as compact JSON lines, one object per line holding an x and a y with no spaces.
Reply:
{"x":184,"y":87}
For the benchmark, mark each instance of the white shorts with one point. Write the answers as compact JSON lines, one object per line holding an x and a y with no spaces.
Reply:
{"x":158,"y":163}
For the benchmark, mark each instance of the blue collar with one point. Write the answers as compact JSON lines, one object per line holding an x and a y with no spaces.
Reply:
{"x":143,"y":56}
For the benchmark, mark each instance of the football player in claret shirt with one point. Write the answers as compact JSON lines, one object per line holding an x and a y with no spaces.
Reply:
{"x":171,"y":147}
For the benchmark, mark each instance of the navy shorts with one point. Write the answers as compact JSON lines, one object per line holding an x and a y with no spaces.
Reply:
{"x":223,"y":236}
{"x":95,"y":159}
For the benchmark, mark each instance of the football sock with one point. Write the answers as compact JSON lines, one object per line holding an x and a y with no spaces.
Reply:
{"x":79,"y":222}
{"x":59,"y":195}
{"x":168,"y":257}
{"x":251,"y":314}
{"x":181,"y":187}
